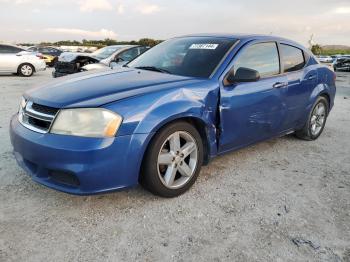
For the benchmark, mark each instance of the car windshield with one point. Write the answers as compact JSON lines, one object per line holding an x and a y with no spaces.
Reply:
{"x":187,"y":56}
{"x":105,"y":52}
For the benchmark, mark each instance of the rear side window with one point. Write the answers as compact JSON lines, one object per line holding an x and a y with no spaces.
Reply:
{"x":262,"y":57}
{"x":292,"y":57}
{"x":7,"y":49}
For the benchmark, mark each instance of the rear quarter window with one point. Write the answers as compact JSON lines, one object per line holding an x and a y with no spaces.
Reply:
{"x":292,"y":58}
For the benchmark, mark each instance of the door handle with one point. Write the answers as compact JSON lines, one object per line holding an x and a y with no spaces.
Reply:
{"x":280,"y":84}
{"x":312,"y":77}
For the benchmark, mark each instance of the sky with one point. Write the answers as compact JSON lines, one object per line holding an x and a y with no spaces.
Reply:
{"x":40,"y":20}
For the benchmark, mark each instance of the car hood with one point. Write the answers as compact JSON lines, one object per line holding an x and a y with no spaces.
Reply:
{"x":71,"y":56}
{"x":95,"y":66}
{"x":96,"y":88}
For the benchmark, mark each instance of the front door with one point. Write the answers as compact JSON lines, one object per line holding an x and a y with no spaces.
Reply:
{"x":253,"y":111}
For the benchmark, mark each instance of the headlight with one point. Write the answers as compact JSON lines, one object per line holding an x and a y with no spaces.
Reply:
{"x":88,"y":122}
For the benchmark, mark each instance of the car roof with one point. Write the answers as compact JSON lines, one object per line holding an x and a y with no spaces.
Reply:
{"x":123,"y":46}
{"x":12,"y":45}
{"x":246,"y":37}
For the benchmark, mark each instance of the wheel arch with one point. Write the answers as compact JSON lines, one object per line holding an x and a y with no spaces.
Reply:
{"x":328,"y":98}
{"x":26,"y":63}
{"x":200,"y":125}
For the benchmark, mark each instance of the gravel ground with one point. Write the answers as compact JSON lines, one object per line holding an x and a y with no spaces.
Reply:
{"x":281,"y":200}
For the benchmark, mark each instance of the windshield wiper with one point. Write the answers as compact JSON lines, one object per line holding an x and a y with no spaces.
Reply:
{"x":153,"y":68}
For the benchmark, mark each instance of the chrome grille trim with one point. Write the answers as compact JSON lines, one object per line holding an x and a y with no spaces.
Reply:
{"x":28,"y":115}
{"x":35,"y":114}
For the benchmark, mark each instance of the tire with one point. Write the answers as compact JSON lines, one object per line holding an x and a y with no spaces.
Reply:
{"x":182,"y":166}
{"x":316,"y":122}
{"x":25,"y":70}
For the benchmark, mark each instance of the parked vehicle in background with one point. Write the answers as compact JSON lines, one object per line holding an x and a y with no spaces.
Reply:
{"x":14,"y":59}
{"x":70,"y":63}
{"x":160,"y":117}
{"x":49,"y":53}
{"x":325,"y":59}
{"x":342,"y":63}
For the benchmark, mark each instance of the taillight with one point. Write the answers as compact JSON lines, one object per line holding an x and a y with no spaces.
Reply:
{"x":334,"y":76}
{"x":40,"y":56}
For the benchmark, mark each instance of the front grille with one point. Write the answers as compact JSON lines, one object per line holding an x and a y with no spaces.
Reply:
{"x":37,"y":117}
{"x":39,"y":123}
{"x":66,"y":67}
{"x":45,"y":109}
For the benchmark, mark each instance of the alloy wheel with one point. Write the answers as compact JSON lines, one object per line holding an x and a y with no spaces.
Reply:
{"x":318,"y":118}
{"x":26,"y":70}
{"x":177,"y":159}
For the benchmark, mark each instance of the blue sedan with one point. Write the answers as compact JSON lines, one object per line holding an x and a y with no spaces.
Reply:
{"x":162,"y":116}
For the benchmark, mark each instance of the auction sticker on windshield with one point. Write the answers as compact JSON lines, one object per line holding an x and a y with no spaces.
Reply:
{"x":204,"y":46}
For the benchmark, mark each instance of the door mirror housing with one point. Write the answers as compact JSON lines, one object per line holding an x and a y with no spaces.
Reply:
{"x":118,"y":59}
{"x":242,"y":74}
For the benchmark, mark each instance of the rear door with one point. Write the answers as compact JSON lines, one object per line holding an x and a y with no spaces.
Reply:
{"x":253,"y":111}
{"x":301,"y":81}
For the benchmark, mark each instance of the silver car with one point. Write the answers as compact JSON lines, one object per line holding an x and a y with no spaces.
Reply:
{"x":14,"y":59}
{"x":109,"y":56}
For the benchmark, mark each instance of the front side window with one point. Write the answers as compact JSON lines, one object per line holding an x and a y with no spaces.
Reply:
{"x":129,"y":55}
{"x":292,"y":57}
{"x":262,"y":57}
{"x":185,"y":56}
{"x":2,"y":49}
{"x":32,"y":49}
{"x":105,"y":52}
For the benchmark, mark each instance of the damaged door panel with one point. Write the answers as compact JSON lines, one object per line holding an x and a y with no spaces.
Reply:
{"x":252,"y":110}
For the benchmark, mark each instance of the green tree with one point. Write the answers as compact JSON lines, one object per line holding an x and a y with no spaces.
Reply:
{"x":148,"y":42}
{"x":316,"y":49}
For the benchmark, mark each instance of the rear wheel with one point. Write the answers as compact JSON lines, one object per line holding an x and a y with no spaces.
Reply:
{"x":173,"y":160}
{"x":25,"y":70}
{"x":316,"y":121}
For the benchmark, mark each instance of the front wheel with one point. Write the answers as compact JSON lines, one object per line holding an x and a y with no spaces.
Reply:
{"x":173,"y":160}
{"x":316,"y":121}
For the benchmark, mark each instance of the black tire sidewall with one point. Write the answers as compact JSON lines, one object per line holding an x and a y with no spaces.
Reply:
{"x":149,"y":173}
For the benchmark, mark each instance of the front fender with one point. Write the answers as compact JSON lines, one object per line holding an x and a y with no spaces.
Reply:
{"x":184,"y":103}
{"x":148,"y":113}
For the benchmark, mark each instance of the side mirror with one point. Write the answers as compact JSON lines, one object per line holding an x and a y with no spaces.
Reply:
{"x":242,"y":74}
{"x":118,"y":59}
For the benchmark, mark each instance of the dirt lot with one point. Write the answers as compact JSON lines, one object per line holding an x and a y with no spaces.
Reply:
{"x":281,"y":200}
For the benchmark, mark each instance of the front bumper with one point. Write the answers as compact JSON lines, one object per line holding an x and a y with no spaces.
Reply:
{"x":58,"y":74}
{"x":78,"y":165}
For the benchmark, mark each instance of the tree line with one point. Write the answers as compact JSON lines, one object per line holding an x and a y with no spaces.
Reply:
{"x":319,"y":50}
{"x":99,"y":43}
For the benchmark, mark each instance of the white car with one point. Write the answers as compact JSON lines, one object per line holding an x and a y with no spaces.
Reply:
{"x":14,"y":59}
{"x":325,"y":59}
